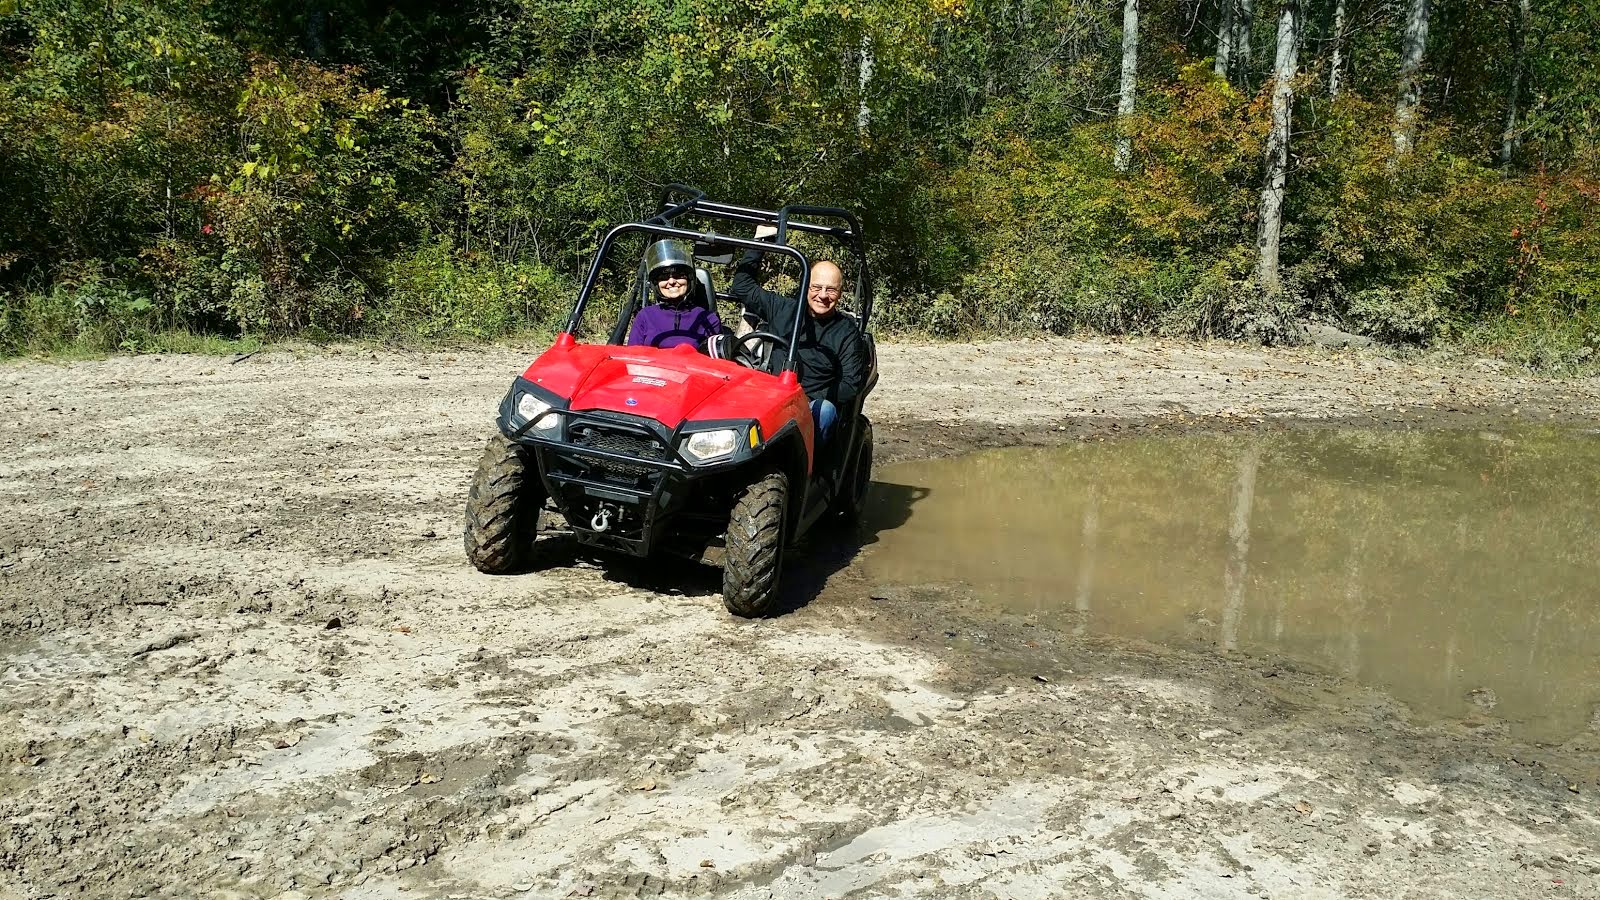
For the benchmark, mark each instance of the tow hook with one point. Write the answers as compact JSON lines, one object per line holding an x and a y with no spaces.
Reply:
{"x":602,"y":519}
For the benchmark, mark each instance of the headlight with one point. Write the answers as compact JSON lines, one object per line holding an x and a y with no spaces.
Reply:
{"x":704,"y":445}
{"x":530,"y":408}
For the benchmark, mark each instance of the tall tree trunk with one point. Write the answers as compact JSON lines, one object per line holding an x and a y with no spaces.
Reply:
{"x":1224,"y":56}
{"x":1130,"y":78}
{"x":1405,"y":108}
{"x":1338,"y":50}
{"x":1519,"y":44}
{"x":316,"y":30}
{"x":1243,"y":21}
{"x":1285,"y":67}
{"x":863,"y":77}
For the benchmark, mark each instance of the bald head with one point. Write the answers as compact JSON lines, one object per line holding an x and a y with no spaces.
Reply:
{"x":827,"y":284}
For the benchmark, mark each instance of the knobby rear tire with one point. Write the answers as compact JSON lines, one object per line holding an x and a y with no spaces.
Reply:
{"x":502,"y":517}
{"x":855,"y":498}
{"x":754,"y":547}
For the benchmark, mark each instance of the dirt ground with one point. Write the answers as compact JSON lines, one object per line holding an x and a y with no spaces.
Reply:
{"x":241,"y":655}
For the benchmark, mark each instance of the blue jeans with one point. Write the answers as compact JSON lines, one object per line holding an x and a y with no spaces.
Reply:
{"x":823,"y":415}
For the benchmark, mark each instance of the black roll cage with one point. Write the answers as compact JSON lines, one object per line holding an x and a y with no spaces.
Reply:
{"x":693,"y":202}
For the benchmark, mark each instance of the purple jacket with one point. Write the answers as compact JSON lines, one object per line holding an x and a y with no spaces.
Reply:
{"x":660,"y":326}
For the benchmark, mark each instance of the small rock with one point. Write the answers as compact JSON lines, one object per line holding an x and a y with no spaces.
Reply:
{"x":522,"y":887}
{"x":707,"y":864}
{"x":427,"y":778}
{"x":1171,"y":811}
{"x":645,"y":784}
{"x":1328,"y":336}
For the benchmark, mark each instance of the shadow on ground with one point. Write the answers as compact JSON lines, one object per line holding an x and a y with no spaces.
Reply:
{"x":827,"y":549}
{"x":831,"y":548}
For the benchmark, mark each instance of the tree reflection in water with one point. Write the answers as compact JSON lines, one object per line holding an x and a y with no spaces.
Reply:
{"x":1445,"y":567}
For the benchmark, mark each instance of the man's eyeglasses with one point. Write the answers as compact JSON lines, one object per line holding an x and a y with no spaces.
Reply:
{"x":824,"y":291}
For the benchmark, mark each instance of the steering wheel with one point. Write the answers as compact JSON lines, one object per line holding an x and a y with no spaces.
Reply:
{"x":752,"y":354}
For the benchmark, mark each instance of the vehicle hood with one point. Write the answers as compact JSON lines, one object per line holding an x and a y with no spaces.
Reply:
{"x":670,"y":386}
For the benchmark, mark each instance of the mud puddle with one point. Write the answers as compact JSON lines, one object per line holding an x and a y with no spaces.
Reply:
{"x":1456,"y":571}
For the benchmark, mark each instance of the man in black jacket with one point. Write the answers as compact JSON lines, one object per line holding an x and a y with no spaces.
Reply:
{"x":831,"y":351}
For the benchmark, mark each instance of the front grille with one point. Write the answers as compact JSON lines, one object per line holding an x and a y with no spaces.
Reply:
{"x":635,"y":445}
{"x":632,"y":444}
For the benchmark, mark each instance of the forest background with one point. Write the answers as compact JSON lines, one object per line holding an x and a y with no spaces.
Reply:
{"x":1424,"y":173}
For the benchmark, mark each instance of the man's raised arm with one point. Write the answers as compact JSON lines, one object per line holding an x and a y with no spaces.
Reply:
{"x":769,"y":305}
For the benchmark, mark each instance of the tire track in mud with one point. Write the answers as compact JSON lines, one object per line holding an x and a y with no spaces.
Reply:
{"x":340,"y":707}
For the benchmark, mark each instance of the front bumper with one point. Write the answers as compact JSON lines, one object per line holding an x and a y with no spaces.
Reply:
{"x":619,"y":480}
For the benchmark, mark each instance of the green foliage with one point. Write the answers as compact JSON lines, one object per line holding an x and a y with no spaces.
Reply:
{"x":435,"y":292}
{"x":254,"y":170}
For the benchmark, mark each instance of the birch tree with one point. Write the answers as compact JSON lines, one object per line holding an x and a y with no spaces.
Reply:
{"x":1337,"y":63}
{"x":1243,"y":21}
{"x":1224,"y":56}
{"x":1130,"y":77}
{"x":1285,"y":68}
{"x":1519,"y":44}
{"x":1405,"y":108}
{"x":863,"y":77}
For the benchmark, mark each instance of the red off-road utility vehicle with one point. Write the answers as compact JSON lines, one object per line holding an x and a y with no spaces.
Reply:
{"x":646,"y":451}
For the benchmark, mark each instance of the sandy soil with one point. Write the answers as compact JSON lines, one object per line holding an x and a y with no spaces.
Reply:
{"x":241,"y":656}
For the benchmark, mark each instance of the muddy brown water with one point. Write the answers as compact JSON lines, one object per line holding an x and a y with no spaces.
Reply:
{"x":1458,"y":571}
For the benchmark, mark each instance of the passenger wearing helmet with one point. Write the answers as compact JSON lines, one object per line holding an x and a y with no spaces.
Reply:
{"x":678,"y":316}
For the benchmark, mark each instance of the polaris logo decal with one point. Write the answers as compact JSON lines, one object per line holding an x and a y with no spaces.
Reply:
{"x":653,"y":382}
{"x":631,"y":402}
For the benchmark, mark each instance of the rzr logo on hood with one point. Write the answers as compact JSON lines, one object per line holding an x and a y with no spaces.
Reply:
{"x":653,"y":382}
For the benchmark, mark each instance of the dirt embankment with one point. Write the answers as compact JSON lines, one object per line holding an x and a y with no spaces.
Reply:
{"x":241,"y":655}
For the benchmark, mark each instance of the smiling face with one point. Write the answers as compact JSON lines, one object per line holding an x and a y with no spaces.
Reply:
{"x":673,"y":283}
{"x":827,"y":285}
